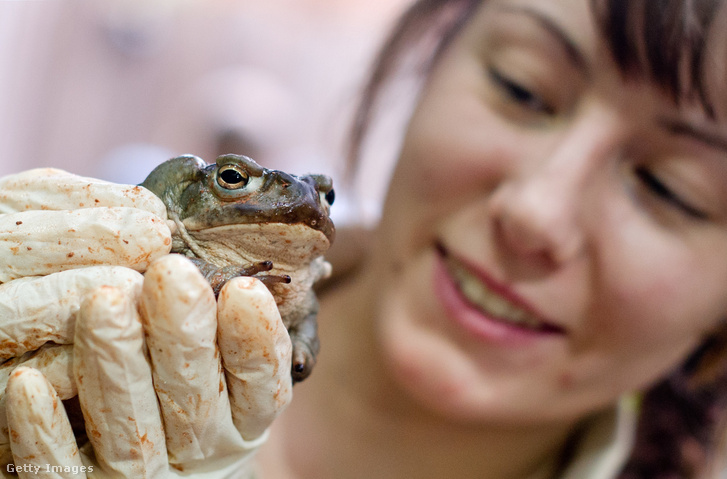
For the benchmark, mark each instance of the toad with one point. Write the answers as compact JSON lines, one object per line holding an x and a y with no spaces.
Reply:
{"x":236,"y":218}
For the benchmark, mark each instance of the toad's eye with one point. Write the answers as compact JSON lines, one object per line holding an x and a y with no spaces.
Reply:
{"x":330,"y":197}
{"x":232,"y":178}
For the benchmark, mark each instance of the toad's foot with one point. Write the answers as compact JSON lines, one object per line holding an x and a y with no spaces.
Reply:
{"x":304,"y":336}
{"x":218,"y":276}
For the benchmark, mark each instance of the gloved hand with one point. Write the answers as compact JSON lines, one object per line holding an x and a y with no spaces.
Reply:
{"x":60,"y":236}
{"x":205,"y":429}
{"x":217,"y":375}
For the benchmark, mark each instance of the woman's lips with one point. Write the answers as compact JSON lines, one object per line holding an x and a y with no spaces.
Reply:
{"x":486,"y":308}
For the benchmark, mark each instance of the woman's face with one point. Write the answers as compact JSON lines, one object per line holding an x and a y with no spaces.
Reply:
{"x":554,"y":235}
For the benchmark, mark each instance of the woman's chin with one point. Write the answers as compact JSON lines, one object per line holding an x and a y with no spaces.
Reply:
{"x":429,"y":371}
{"x":428,"y":365}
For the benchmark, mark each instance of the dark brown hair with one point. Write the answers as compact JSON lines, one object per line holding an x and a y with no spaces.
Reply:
{"x":663,"y":41}
{"x":444,"y":18}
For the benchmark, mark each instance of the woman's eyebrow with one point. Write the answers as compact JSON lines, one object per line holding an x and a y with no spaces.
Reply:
{"x":681,"y":128}
{"x":570,"y":47}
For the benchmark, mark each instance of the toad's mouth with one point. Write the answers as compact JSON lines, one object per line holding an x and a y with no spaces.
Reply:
{"x":240,"y":215}
{"x":485,"y":297}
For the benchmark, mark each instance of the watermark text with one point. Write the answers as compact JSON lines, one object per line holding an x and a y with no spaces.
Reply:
{"x":37,"y":469}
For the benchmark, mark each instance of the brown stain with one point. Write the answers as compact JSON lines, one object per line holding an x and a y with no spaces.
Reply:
{"x":18,"y":223}
{"x":8,"y":348}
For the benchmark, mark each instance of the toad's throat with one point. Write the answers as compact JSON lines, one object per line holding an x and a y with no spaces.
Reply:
{"x":288,"y":246}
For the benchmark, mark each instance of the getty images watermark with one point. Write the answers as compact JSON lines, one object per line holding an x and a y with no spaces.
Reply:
{"x":48,"y":468}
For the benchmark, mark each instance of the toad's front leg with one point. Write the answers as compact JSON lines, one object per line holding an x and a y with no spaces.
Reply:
{"x":218,"y":276}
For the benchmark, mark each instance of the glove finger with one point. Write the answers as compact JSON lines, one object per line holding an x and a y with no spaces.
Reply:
{"x":55,"y":363}
{"x":179,"y":314}
{"x":115,"y":387}
{"x":53,"y":189}
{"x":256,"y":354}
{"x":36,"y":310}
{"x":6,"y":456}
{"x":42,"y":440}
{"x":34,"y":243}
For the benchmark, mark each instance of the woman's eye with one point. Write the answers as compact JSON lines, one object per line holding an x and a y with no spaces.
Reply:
{"x":664,"y":193}
{"x":519,"y":94}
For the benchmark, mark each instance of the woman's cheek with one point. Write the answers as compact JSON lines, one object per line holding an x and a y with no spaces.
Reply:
{"x":445,"y":150}
{"x":668,"y":283}
{"x":651,"y":313}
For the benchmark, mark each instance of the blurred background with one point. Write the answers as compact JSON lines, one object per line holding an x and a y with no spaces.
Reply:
{"x":111,"y":88}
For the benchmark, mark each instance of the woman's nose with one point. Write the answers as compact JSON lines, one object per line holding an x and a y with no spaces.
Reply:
{"x":536,"y":220}
{"x":538,"y":214}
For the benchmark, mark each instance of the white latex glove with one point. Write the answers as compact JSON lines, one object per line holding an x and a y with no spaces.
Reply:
{"x":214,"y":403}
{"x":55,"y":230}
{"x":52,"y":221}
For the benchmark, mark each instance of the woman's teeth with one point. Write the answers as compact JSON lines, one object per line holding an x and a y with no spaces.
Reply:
{"x":491,"y":303}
